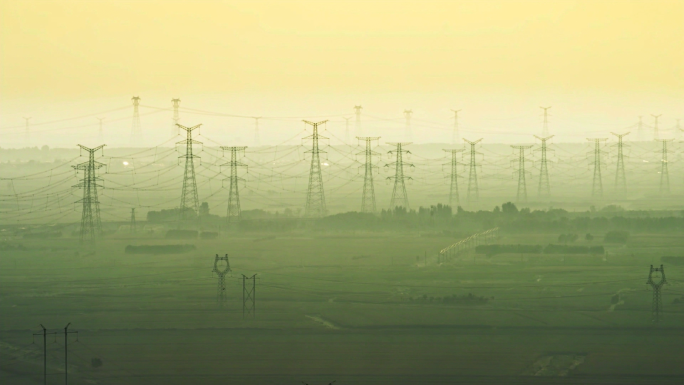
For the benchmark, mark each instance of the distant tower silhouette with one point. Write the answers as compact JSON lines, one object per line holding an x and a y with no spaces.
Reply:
{"x":545,"y":127}
{"x":620,"y":179}
{"x":257,"y":139}
{"x":640,"y":130}
{"x":315,"y":195}
{"x":407,"y":115}
{"x":221,"y":271}
{"x":597,"y":183}
{"x":175,"y":129}
{"x":91,"y":225}
{"x":234,"y":213}
{"x":357,"y":112}
{"x":454,"y":197}
{"x":133,"y":227}
{"x":473,"y":192}
{"x":189,"y":204}
{"x":399,"y":195}
{"x":135,"y":129}
{"x":346,"y":130}
{"x":368,"y":197}
{"x":544,"y":188}
{"x":656,"y":134}
{"x":657,"y":305}
{"x":522,"y":184}
{"x":664,"y":172}
{"x":455,"y":135}
{"x":100,"y":132}
{"x":27,"y":131}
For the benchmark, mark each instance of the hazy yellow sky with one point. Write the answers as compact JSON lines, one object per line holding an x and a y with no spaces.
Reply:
{"x":78,"y":50}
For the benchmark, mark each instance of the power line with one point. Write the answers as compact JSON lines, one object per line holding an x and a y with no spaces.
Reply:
{"x":257,"y":139}
{"x":407,"y":116}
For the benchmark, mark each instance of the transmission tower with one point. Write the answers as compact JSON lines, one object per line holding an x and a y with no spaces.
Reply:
{"x":189,"y":204}
{"x":473,"y":192}
{"x":544,"y":188}
{"x":357,"y":112}
{"x":664,"y":173}
{"x":399,"y":196}
{"x":407,"y":115}
{"x":221,"y":272}
{"x":656,"y":134}
{"x":454,"y":198}
{"x":640,"y":129}
{"x":27,"y":132}
{"x":100,"y":132}
{"x":257,"y":140}
{"x":315,"y":196}
{"x":368,"y":197}
{"x":175,"y":130}
{"x":545,"y":127}
{"x":346,"y":130}
{"x":234,"y":212}
{"x":135,"y":129}
{"x":133,"y":226}
{"x":522,"y":184}
{"x":620,"y":179}
{"x":91,"y":225}
{"x":657,"y":305}
{"x":597,"y":183}
{"x":455,"y":134}
{"x":248,"y":296}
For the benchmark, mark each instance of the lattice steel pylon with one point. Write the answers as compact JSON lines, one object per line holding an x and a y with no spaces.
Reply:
{"x":135,"y":128}
{"x":657,"y":305}
{"x":234,"y":213}
{"x":455,"y":134}
{"x":221,"y":271}
{"x":597,"y":182}
{"x":100,"y":132}
{"x":248,"y":296}
{"x":357,"y":112}
{"x":346,"y":130}
{"x":545,"y":127}
{"x":368,"y":197}
{"x":407,"y":116}
{"x":620,"y":179}
{"x":27,"y":130}
{"x":399,"y":195}
{"x":315,"y":195}
{"x":257,"y":139}
{"x":189,"y":202}
{"x":544,"y":187}
{"x":133,"y":227}
{"x":473,"y":192}
{"x":522,"y":183}
{"x":656,"y":133}
{"x":454,"y":197}
{"x":664,"y":172}
{"x":175,"y":130}
{"x":91,"y":225}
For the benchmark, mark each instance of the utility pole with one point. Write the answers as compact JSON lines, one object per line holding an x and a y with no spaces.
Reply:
{"x":135,"y":129}
{"x":257,"y":140}
{"x":357,"y":112}
{"x":91,"y":225}
{"x":368,"y":197}
{"x":545,"y":127}
{"x":473,"y":193}
{"x":27,"y":132}
{"x":656,"y":134}
{"x":454,"y":197}
{"x":66,"y":340}
{"x":640,"y":129}
{"x":44,"y":334}
{"x":407,"y":115}
{"x":100,"y":132}
{"x":399,"y":196}
{"x":176,"y":117}
{"x":664,"y":173}
{"x":189,"y":199}
{"x":597,"y":183}
{"x":234,"y":212}
{"x":248,"y":296}
{"x":522,"y":184}
{"x":221,"y":272}
{"x":657,"y":305}
{"x":544,"y":188}
{"x":315,"y":195}
{"x":346,"y":130}
{"x":620,"y":180}
{"x":455,"y":134}
{"x":133,"y":227}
